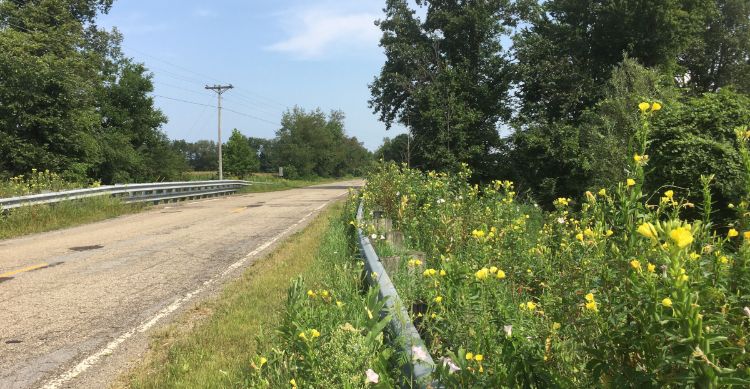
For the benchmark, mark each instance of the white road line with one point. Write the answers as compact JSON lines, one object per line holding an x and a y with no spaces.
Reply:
{"x":111,"y":346}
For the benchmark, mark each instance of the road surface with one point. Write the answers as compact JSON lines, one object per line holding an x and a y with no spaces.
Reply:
{"x":78,"y":304}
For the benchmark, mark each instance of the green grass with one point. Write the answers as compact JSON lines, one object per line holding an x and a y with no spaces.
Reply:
{"x":212,"y":345}
{"x":40,"y":218}
{"x":272,"y":184}
{"x":220,"y":343}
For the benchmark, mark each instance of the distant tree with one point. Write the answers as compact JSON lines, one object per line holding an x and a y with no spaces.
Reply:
{"x":315,"y":144}
{"x":395,"y":149}
{"x":239,"y":159}
{"x":264,"y":149}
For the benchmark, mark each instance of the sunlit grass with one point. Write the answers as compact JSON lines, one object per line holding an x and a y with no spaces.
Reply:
{"x":40,"y":218}
{"x":212,"y":345}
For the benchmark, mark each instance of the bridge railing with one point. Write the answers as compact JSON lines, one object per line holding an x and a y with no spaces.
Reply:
{"x":133,"y":193}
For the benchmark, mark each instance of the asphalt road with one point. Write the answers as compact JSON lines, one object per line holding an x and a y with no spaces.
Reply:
{"x":77,"y":305}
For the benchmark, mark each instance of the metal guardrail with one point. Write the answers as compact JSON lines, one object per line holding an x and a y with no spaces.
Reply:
{"x":401,"y":324}
{"x":133,"y":193}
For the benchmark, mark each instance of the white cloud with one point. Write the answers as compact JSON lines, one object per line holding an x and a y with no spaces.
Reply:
{"x":316,"y":32}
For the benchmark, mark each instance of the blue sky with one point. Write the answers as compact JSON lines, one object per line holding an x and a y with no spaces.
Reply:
{"x":277,"y":54}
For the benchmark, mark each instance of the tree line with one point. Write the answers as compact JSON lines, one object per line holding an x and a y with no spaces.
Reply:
{"x":72,"y":103}
{"x":307,"y":144}
{"x":546,"y":92}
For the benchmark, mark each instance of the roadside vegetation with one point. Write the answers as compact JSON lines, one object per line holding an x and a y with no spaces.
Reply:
{"x":47,"y":217}
{"x":40,"y":218}
{"x":297,"y":318}
{"x":624,"y":288}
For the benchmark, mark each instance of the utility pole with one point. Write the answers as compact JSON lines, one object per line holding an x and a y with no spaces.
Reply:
{"x":219,"y":89}
{"x":408,"y":143}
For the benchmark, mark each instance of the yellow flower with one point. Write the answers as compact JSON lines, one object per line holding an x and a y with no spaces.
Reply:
{"x":555,"y":326}
{"x":655,"y":106}
{"x":588,"y":232}
{"x":630,"y":182}
{"x":262,"y":361}
{"x":669,"y":194}
{"x":429,"y":272}
{"x":635,"y":264}
{"x":339,"y":304}
{"x":443,"y":273}
{"x":694,"y":256}
{"x":293,"y":382}
{"x":648,"y":230}
{"x":609,"y":233}
{"x":746,"y":234}
{"x":602,"y":192}
{"x":589,"y":297}
{"x":562,"y":201}
{"x":479,"y":357}
{"x":579,"y":236}
{"x":302,"y":335}
{"x":732,"y":233}
{"x":469,"y":356}
{"x":482,"y":273}
{"x":438,"y":299}
{"x":667,"y":302}
{"x":644,"y":106}
{"x":530,"y":305}
{"x":479,"y":234}
{"x":493,"y":269}
{"x":324,"y":293}
{"x":314,"y":333}
{"x":651,"y":267}
{"x":724,"y":260}
{"x":681,"y":236}
{"x":591,"y":306}
{"x":500,"y":274}
{"x":311,"y":294}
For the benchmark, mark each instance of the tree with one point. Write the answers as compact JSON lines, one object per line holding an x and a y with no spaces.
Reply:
{"x":238,"y":158}
{"x":720,"y":57}
{"x":71,"y":102}
{"x":695,"y":138}
{"x":315,"y":144}
{"x":395,"y":149}
{"x":446,"y":79}
{"x":570,"y":47}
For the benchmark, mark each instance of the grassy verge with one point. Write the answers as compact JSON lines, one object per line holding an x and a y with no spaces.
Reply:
{"x":272,"y":184}
{"x":29,"y":220}
{"x":250,"y":335}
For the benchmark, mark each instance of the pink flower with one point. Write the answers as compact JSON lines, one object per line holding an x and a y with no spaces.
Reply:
{"x":372,"y":377}
{"x":452,"y":367}
{"x":418,"y":353}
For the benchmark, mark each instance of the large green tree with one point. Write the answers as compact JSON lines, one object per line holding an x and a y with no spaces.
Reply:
{"x":446,"y":78}
{"x":71,"y":102}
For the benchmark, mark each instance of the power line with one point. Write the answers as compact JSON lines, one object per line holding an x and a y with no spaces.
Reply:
{"x":256,"y":100}
{"x":184,"y":101}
